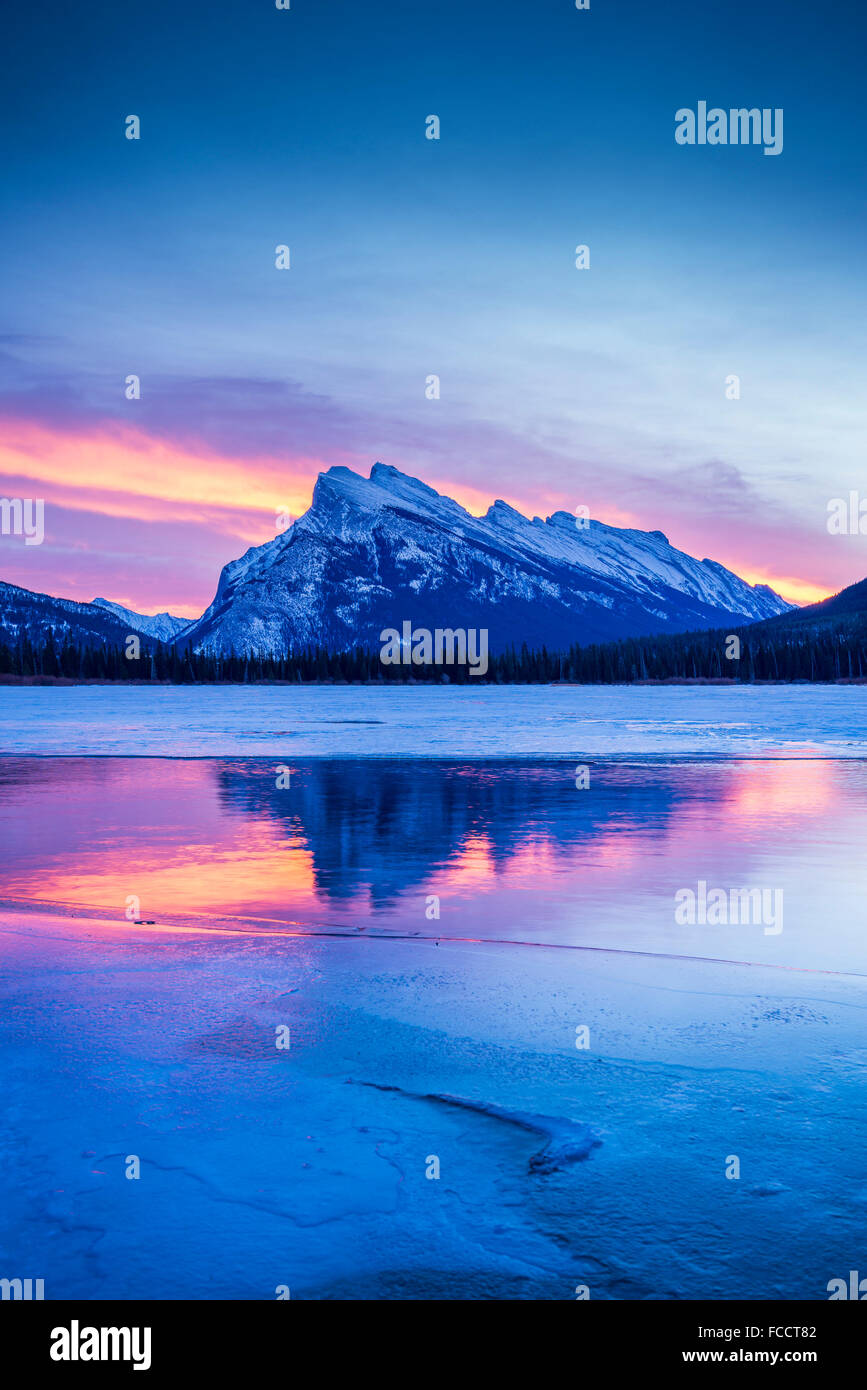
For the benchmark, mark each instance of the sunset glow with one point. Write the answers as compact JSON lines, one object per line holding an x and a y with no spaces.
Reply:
{"x":127,"y":505}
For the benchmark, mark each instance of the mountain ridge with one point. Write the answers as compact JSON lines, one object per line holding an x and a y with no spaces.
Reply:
{"x":26,"y":612}
{"x":371,"y":552}
{"x":164,"y":626}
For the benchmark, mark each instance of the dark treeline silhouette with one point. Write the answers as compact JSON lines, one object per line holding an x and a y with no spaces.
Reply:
{"x":816,"y":651}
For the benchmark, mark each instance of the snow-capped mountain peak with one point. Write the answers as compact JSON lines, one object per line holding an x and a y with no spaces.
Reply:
{"x":165,"y":627}
{"x":373,"y":552}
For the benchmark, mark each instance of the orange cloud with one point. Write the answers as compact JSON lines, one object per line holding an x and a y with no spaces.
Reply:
{"x":122,"y":471}
{"x":798,"y":591}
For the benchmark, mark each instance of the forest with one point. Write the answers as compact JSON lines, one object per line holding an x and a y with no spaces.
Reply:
{"x":818,"y":652}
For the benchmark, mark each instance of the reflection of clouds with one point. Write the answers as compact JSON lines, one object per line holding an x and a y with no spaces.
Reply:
{"x":259,"y":868}
{"x":760,"y":790}
{"x":355,"y":837}
{"x":472,"y":866}
{"x":112,"y":827}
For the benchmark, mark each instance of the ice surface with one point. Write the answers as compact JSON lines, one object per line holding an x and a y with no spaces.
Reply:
{"x":415,"y":1038}
{"x":263,"y":1167}
{"x":436,"y":722}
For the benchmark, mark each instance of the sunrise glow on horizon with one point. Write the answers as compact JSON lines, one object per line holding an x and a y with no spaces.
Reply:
{"x":149,"y":522}
{"x":558,"y":388}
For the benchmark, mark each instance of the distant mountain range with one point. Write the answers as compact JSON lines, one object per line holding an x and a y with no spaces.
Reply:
{"x":38,"y":617}
{"x":844,"y":611}
{"x":372,"y":553}
{"x":163,"y":626}
{"x":826,"y":641}
{"x":24,"y":613}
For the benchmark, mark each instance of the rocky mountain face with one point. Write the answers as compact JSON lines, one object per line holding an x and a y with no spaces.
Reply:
{"x":163,"y":626}
{"x":38,"y":616}
{"x":372,"y":553}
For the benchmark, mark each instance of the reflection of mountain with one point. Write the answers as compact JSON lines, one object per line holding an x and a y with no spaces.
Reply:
{"x":362,"y":842}
{"x":385,"y":826}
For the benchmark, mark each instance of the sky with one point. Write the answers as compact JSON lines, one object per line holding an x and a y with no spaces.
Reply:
{"x":560,"y":387}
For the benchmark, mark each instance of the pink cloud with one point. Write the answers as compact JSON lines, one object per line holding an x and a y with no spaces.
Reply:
{"x":149,"y":521}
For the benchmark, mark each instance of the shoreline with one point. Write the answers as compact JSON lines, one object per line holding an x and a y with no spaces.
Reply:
{"x":411,"y":681}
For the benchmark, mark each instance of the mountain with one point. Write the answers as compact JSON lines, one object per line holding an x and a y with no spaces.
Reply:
{"x":371,"y":553}
{"x":848,"y":609}
{"x":36,"y":616}
{"x":163,"y":626}
{"x":825,"y":642}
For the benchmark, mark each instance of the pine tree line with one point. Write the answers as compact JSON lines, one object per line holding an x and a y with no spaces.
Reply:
{"x":816,"y":654}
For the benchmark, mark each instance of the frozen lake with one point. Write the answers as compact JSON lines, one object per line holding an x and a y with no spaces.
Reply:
{"x":512,"y":851}
{"x":312,"y":907}
{"x":432,"y":722}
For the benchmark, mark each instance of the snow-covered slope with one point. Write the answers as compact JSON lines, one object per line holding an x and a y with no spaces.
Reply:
{"x":373,"y":552}
{"x":163,"y":626}
{"x":25,"y":613}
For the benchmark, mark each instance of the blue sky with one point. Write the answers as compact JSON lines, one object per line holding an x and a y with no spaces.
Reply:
{"x":559,"y":387}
